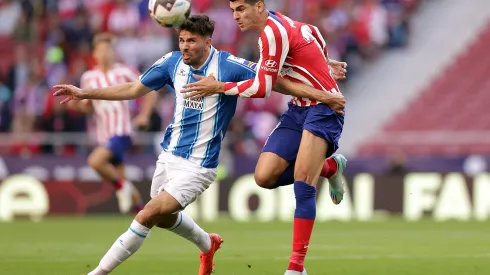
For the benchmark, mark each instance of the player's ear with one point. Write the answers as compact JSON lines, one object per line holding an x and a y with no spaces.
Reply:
{"x":260,"y":6}
{"x":209,"y":42}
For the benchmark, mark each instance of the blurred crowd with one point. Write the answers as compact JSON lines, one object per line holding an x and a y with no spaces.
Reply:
{"x":46,"y":42}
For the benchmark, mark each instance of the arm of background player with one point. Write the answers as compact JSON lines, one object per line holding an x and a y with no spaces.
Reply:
{"x":274,"y":49}
{"x":142,"y":120}
{"x":334,"y":101}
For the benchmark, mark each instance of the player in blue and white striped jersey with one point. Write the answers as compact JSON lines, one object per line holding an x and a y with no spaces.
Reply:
{"x":187,"y":165}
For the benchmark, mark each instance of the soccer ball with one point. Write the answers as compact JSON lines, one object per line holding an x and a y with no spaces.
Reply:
{"x":170,"y":13}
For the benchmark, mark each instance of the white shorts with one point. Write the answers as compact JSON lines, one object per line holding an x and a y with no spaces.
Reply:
{"x":181,"y":178}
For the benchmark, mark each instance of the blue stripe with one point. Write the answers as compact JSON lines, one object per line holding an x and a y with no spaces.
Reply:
{"x":175,"y":69}
{"x":206,"y":161}
{"x":168,"y":132}
{"x":137,"y":233}
{"x":274,"y":16}
{"x":189,"y":128}
{"x":182,"y":122}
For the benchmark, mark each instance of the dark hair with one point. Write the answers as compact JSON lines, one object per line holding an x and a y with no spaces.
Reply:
{"x":198,"y":24}
{"x":251,"y":2}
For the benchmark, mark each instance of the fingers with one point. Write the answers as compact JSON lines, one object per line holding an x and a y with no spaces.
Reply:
{"x":190,"y":88}
{"x":66,"y":100}
{"x":194,"y":84}
{"x":194,"y":95}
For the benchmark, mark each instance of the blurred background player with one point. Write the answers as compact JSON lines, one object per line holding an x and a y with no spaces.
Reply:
{"x":113,"y":121}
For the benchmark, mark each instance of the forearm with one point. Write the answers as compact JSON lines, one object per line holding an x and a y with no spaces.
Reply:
{"x":118,"y":92}
{"x":287,"y":87}
{"x":149,"y":102}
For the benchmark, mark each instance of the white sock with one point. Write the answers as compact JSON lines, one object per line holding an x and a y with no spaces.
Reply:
{"x":126,"y":245}
{"x":188,"y":229}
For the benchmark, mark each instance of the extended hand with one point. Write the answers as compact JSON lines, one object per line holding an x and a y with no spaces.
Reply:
{"x":71,"y":92}
{"x":336,"y":102}
{"x":339,"y":69}
{"x":206,"y":86}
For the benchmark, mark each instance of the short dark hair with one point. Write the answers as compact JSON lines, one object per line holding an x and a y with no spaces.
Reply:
{"x":251,"y":2}
{"x":198,"y":24}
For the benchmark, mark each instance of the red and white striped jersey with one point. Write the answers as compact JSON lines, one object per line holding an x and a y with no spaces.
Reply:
{"x":112,"y":118}
{"x":293,"y":50}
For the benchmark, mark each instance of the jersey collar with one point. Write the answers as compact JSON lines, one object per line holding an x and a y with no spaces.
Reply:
{"x":203,"y":66}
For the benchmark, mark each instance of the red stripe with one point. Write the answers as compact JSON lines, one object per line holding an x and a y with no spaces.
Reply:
{"x":230,"y":85}
{"x":106,"y":125}
{"x":244,"y":86}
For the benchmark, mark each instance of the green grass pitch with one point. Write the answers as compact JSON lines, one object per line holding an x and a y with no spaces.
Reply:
{"x":75,"y":245}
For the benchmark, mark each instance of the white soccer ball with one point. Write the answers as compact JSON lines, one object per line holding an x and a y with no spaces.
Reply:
{"x":170,"y":13}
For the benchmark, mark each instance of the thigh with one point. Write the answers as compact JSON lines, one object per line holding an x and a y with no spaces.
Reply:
{"x":119,"y":146}
{"x":160,"y":176}
{"x":100,"y":154}
{"x":325,"y":123}
{"x":285,"y":138}
{"x":185,"y":180}
{"x":269,"y":167}
{"x":311,"y":156}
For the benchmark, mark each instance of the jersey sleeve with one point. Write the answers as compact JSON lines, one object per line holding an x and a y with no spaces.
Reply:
{"x":236,"y":69}
{"x":274,"y":47}
{"x":158,"y":74}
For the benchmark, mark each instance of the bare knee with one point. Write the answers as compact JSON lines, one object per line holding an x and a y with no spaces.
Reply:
{"x":94,"y":161}
{"x":149,"y":215}
{"x":264,"y":179}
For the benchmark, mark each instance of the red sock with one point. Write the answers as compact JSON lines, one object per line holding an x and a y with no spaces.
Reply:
{"x":301,"y":239}
{"x":329,"y":168}
{"x":118,"y":183}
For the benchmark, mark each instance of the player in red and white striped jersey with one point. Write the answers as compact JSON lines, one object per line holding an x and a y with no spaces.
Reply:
{"x":113,"y":122}
{"x":308,"y":131}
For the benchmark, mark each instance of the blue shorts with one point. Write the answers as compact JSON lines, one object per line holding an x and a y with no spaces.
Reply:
{"x":118,"y":145}
{"x":320,"y":120}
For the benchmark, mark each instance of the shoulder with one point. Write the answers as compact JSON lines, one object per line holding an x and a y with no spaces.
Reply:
{"x":170,"y":58}
{"x":125,"y":68}
{"x":230,"y":60}
{"x":89,"y":74}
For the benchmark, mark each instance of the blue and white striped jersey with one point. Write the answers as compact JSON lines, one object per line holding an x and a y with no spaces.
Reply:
{"x":199,"y":126}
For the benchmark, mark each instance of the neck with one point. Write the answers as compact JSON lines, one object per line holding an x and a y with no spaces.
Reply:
{"x":203,"y":59}
{"x":104,"y":67}
{"x":263,"y":20}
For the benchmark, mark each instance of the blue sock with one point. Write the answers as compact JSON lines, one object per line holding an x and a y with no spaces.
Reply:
{"x":305,"y":200}
{"x":286,"y":178}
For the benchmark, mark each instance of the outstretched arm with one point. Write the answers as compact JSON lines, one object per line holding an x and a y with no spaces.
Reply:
{"x":274,"y":47}
{"x":124,"y":91}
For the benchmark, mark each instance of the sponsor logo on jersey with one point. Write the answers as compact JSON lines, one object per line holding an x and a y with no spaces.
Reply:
{"x":196,"y":104}
{"x":181,"y":72}
{"x":242,"y":61}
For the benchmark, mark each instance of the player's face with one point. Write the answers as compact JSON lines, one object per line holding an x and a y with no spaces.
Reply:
{"x":193,"y":48}
{"x":104,"y":53}
{"x":246,"y":15}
